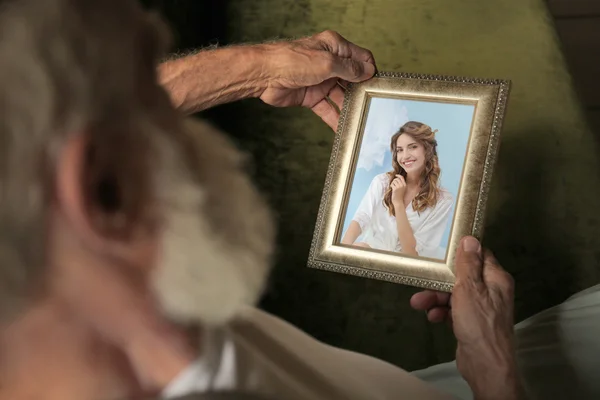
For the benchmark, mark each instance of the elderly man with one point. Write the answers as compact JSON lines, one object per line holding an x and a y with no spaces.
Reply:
{"x":132,"y":244}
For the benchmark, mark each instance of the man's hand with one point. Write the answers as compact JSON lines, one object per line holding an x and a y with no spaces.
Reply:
{"x":481,"y":313}
{"x":307,"y":72}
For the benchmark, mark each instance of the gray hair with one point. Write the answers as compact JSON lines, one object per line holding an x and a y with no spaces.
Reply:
{"x":73,"y":66}
{"x":54,"y":58}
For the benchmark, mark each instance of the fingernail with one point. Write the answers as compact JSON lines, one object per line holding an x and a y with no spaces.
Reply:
{"x":471,"y":245}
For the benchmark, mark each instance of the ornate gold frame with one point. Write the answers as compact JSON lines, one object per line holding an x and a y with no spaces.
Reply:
{"x":489,"y":97}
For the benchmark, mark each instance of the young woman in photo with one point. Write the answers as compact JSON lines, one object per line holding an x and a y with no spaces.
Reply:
{"x":405,"y":210}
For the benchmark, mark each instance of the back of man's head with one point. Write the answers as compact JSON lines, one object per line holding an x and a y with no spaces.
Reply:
{"x":85,"y":69}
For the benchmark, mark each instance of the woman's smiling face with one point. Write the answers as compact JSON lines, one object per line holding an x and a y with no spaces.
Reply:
{"x":410,"y":154}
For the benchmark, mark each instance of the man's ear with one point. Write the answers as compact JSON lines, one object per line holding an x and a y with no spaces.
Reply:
{"x":91,"y":197}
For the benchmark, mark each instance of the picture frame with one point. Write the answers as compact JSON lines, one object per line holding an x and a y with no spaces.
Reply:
{"x":440,"y":183}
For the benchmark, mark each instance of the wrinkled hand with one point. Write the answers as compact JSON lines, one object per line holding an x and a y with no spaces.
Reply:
{"x":480,"y":310}
{"x":309,"y":71}
{"x":398,"y":186}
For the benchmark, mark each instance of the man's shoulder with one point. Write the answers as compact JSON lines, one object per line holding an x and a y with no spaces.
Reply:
{"x":324,"y":370}
{"x":256,"y":321}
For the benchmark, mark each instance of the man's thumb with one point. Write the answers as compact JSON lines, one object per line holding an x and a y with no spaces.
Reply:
{"x":468,"y":261}
{"x":353,"y":70}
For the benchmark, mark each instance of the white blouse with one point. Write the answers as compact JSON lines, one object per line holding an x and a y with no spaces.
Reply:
{"x":379,"y":229}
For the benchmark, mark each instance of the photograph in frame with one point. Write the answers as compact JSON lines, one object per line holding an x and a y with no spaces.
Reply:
{"x":408,"y":177}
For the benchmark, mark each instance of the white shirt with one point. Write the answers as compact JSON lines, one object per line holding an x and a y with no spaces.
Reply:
{"x":379,"y":229}
{"x":266,"y":356}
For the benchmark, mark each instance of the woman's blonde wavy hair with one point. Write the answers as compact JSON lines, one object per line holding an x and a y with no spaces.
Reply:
{"x":429,"y":193}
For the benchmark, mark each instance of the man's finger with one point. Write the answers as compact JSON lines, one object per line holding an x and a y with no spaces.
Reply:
{"x":428,"y":299}
{"x":337,"y":96}
{"x":351,"y":70}
{"x":494,"y":274}
{"x":361,"y":54}
{"x":438,"y":314}
{"x":491,"y":266}
{"x":341,"y":46}
{"x":328,"y":113}
{"x":316,"y":101}
{"x":469,"y":262}
{"x":318,"y":92}
{"x":343,"y":83}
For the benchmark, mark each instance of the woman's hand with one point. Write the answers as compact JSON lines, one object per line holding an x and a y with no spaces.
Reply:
{"x":398,"y":186}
